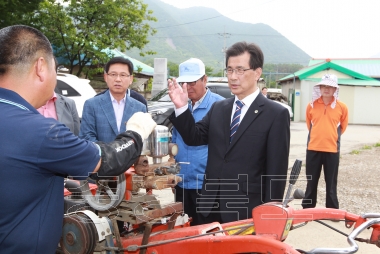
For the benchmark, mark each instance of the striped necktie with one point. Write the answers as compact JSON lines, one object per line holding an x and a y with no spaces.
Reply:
{"x":236,"y":119}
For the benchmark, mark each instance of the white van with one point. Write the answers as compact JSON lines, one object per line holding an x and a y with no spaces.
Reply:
{"x":74,"y":88}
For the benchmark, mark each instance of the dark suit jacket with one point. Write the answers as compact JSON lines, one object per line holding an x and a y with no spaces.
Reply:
{"x":249,"y":171}
{"x":137,"y":96}
{"x":67,"y":113}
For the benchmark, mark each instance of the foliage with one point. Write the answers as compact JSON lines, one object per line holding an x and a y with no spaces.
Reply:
{"x":209,"y":70}
{"x":367,"y":147}
{"x":376,"y":145}
{"x":273,"y":72}
{"x":149,"y":86}
{"x":218,"y":74}
{"x":81,"y":30}
{"x":12,"y":11}
{"x":173,"y":69}
{"x":354,"y":152}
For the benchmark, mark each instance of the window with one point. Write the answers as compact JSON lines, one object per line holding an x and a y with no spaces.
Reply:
{"x":65,"y":89}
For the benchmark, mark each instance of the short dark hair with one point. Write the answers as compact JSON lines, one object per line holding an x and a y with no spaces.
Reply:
{"x":20,"y":46}
{"x":120,"y":60}
{"x":256,"y":59}
{"x":264,"y":88}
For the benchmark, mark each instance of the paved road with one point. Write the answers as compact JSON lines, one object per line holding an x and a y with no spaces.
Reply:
{"x":314,"y":235}
{"x":354,"y":137}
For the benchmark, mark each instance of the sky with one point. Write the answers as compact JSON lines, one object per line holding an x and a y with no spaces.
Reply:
{"x":321,"y":28}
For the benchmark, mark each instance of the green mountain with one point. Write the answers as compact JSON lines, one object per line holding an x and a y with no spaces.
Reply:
{"x":203,"y":33}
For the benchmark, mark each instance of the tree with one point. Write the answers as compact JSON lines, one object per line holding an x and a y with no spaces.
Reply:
{"x":273,"y":72}
{"x":209,"y":70}
{"x":218,"y":74}
{"x":12,"y":11}
{"x":81,"y":31}
{"x":173,"y":69}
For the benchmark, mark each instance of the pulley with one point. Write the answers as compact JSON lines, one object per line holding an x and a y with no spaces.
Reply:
{"x":109,"y":193}
{"x":79,"y":234}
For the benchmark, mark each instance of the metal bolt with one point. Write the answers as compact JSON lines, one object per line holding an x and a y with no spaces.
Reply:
{"x":70,"y":238}
{"x":103,"y":233}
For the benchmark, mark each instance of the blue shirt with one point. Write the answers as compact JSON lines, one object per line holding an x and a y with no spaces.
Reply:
{"x":35,"y":155}
{"x":193,"y":173}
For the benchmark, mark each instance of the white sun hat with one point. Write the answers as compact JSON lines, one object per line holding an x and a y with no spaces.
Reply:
{"x":328,"y":80}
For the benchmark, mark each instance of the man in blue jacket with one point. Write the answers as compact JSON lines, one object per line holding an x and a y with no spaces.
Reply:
{"x":104,"y":116}
{"x":192,"y":171}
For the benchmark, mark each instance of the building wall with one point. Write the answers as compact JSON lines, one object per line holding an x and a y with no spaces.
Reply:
{"x":347,"y":96}
{"x":364,"y":105}
{"x":362,"y":102}
{"x":289,"y":86}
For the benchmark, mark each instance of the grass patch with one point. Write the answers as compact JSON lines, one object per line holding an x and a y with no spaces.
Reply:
{"x":376,"y":145}
{"x":366,"y":147}
{"x":355,"y":152}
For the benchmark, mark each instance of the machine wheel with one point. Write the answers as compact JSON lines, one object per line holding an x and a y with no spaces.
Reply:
{"x":79,"y":234}
{"x":109,"y":194}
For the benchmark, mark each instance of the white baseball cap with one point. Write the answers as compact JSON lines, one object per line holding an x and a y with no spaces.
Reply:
{"x":191,"y":70}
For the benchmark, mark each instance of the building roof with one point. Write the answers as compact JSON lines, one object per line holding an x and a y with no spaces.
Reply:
{"x":367,"y":66}
{"x":146,"y":69}
{"x":351,"y":82}
{"x":358,"y":79}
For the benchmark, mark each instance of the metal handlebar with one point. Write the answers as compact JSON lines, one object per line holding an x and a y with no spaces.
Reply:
{"x":351,"y":238}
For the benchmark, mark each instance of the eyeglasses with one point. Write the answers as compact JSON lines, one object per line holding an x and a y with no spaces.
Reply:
{"x":121,"y":75}
{"x":190,"y":83}
{"x":239,"y":71}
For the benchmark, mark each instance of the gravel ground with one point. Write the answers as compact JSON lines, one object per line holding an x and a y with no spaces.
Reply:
{"x":358,"y":181}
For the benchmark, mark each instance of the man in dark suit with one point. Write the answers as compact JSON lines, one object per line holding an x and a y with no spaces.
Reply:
{"x":67,"y":113}
{"x":64,"y":110}
{"x":248,"y":166}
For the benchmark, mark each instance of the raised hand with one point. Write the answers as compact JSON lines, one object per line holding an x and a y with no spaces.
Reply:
{"x":177,"y":94}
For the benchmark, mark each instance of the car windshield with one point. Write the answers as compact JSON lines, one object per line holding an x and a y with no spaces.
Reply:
{"x":161,"y":96}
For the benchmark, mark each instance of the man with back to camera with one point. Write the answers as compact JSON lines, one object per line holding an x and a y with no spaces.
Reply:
{"x":248,"y":139}
{"x":327,"y":120}
{"x":192,"y":72}
{"x":104,"y":116}
{"x":36,"y":153}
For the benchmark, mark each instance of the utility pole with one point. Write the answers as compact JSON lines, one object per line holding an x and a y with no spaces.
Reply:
{"x":224,"y":49}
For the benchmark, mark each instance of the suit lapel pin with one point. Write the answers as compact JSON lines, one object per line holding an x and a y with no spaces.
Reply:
{"x":256,"y":111}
